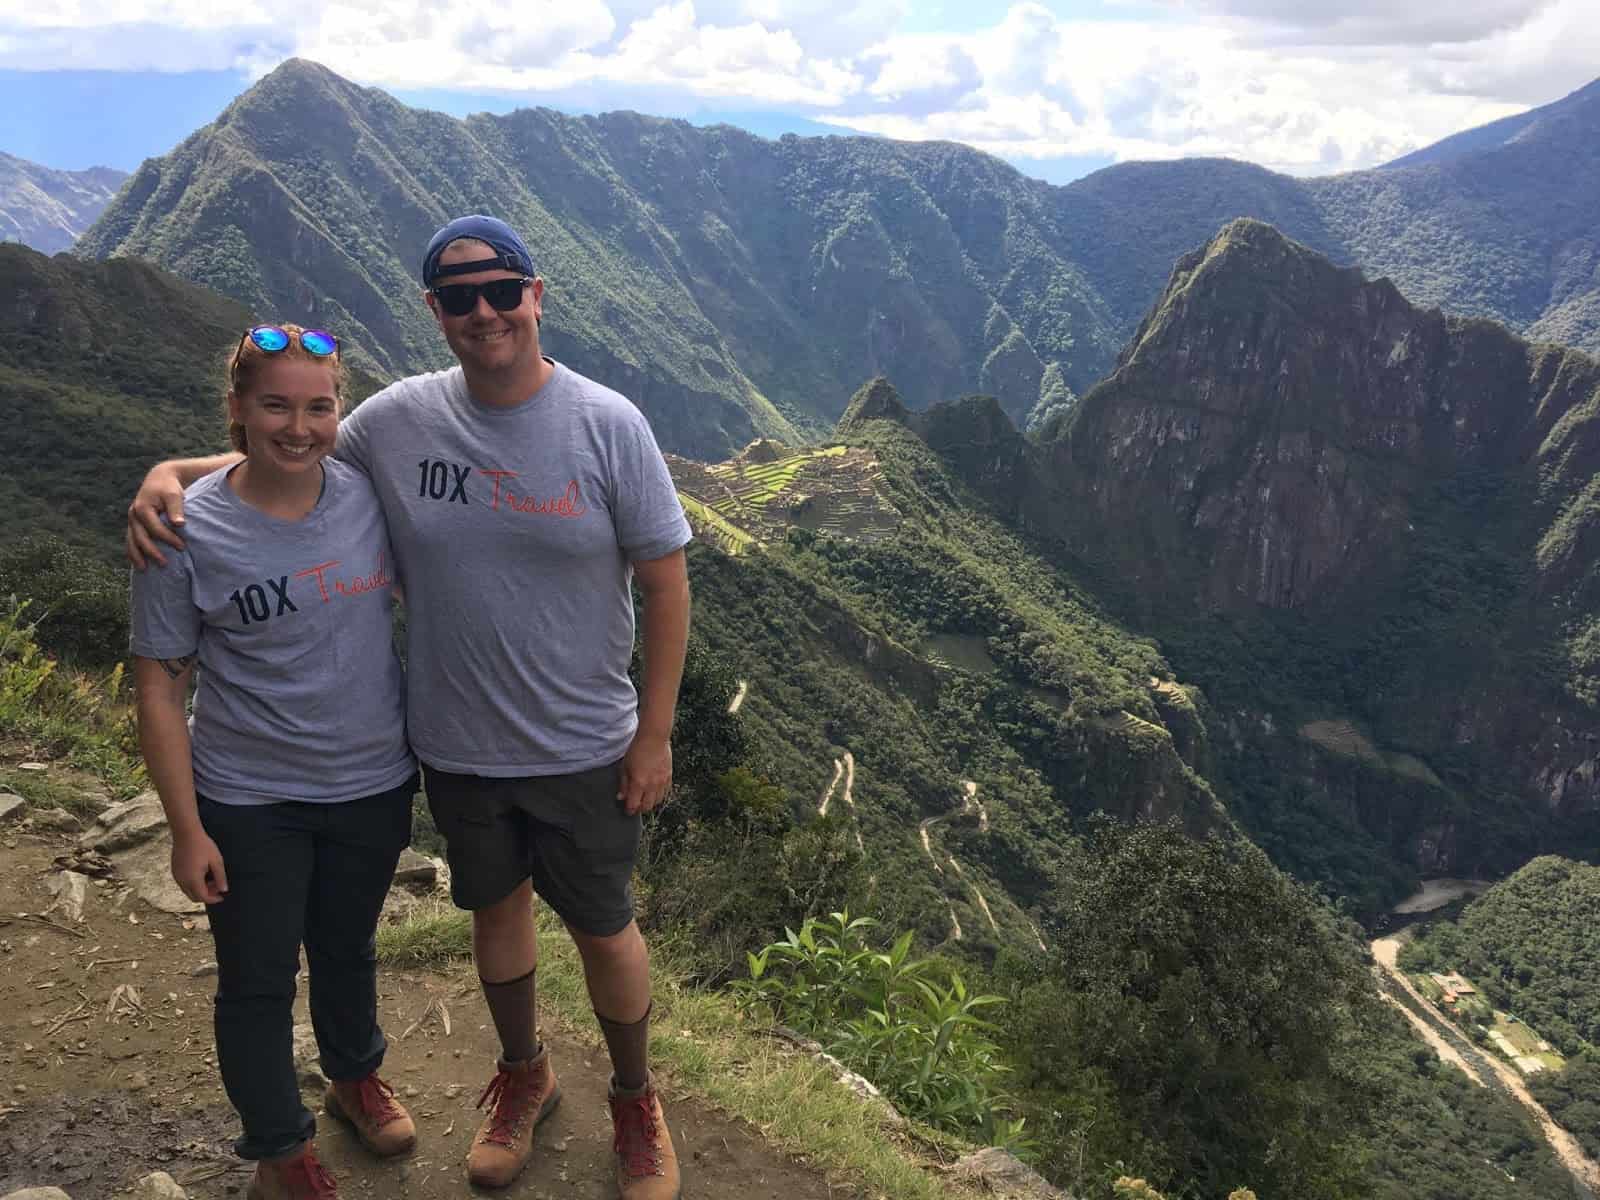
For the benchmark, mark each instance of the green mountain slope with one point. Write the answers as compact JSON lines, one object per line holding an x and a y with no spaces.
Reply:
{"x":104,"y":368}
{"x":738,"y":287}
{"x":47,"y":209}
{"x":1367,"y":530}
{"x":734,"y":287}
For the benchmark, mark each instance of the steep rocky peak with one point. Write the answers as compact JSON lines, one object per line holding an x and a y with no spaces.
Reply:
{"x":973,"y":419}
{"x":875,"y":400}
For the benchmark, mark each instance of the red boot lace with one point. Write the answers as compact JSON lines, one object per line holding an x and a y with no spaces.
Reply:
{"x":376,"y":1100}
{"x":635,"y":1142}
{"x":309,"y":1179}
{"x":511,"y":1093}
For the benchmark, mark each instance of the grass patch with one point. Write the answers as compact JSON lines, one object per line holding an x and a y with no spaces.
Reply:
{"x":433,"y":936}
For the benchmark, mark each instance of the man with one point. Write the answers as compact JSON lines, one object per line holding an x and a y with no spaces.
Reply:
{"x":521,"y":498}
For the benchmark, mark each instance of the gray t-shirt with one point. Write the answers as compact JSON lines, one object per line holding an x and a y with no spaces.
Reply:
{"x":514,"y":529}
{"x":300,"y":695}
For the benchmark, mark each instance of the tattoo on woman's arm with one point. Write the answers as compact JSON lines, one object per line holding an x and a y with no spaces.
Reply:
{"x":175,"y":667}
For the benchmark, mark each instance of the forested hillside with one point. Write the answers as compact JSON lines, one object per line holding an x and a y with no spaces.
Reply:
{"x":738,"y":287}
{"x":1529,"y":943}
{"x":105,"y":367}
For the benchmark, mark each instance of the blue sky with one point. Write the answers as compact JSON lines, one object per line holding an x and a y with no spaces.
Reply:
{"x":1057,"y":88}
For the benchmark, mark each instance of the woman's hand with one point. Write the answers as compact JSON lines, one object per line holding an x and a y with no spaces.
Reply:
{"x":197,"y":868}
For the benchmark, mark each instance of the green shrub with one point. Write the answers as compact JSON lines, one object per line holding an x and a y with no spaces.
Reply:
{"x":908,"y":1025}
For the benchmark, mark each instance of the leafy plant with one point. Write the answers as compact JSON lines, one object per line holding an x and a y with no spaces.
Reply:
{"x":909,"y":1025}
{"x":82,"y":718}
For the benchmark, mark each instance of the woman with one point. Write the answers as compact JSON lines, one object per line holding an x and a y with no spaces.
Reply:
{"x":289,"y":792}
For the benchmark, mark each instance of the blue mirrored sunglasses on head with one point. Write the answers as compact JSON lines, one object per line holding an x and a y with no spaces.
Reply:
{"x":274,"y":338}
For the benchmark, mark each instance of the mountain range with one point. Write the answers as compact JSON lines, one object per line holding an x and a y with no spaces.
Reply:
{"x":1308,"y":561}
{"x":738,"y":287}
{"x":48,"y":209}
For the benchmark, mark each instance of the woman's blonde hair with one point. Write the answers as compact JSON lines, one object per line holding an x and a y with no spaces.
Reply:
{"x":244,"y":364}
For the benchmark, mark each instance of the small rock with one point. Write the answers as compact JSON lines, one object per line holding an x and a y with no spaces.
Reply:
{"x":203,"y":970}
{"x":411,"y":1092}
{"x":416,"y":871}
{"x":70,"y":891}
{"x":147,"y":869}
{"x":37,"y":1193}
{"x":1002,"y":1174}
{"x":307,"y":1058}
{"x":123,"y":826}
{"x":138,"y":1081}
{"x":11,"y":806}
{"x":158,"y":1185}
{"x":53,"y":820}
{"x":453,"y":1090}
{"x":33,"y":766}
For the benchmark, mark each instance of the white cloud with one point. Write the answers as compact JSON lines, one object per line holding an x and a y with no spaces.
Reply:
{"x":1372,"y":22}
{"x":1294,"y":85}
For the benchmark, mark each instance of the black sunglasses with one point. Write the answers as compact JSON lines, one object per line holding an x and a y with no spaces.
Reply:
{"x":458,"y":299}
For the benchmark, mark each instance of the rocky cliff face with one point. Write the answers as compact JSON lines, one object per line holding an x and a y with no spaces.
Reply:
{"x":1276,"y":424}
{"x":1335,"y":506}
{"x":48,"y":209}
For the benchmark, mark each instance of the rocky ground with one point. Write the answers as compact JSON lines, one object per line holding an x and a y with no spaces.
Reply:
{"x":108,"y":1066}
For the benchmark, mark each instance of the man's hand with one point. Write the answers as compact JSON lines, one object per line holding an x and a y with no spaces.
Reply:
{"x":160,"y":493}
{"x":197,"y":868}
{"x":646,"y":774}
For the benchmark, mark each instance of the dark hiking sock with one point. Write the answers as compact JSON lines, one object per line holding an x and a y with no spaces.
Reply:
{"x":513,"y":1007}
{"x":630,"y":1050}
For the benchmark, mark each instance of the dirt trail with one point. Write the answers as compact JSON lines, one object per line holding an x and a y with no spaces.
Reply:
{"x":1583,"y":1168}
{"x":94,"y":1099}
{"x":827,"y":796}
{"x":969,"y":804}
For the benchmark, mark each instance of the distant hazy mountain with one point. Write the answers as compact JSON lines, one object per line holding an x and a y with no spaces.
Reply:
{"x":48,"y":209}
{"x":736,"y":286}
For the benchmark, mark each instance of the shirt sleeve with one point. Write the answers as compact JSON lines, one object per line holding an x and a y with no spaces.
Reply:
{"x":644,"y":501}
{"x":355,"y":437}
{"x":165,"y":622}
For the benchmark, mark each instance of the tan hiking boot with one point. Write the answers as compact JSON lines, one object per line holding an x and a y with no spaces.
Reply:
{"x":298,"y":1176}
{"x":369,"y":1107}
{"x":647,"y":1165}
{"x":520,"y":1096}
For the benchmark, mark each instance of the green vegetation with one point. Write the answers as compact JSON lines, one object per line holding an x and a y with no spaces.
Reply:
{"x":84,"y":720}
{"x":431,"y":936}
{"x":1529,"y":944}
{"x":1573,"y":1097}
{"x":908,"y":1025}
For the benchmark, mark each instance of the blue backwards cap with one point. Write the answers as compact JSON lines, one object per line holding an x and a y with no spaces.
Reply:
{"x":510,"y":253}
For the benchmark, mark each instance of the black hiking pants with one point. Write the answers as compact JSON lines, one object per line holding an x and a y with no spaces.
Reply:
{"x":299,"y":873}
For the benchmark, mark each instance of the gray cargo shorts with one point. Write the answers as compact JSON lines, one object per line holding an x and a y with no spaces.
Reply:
{"x":567,"y":833}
